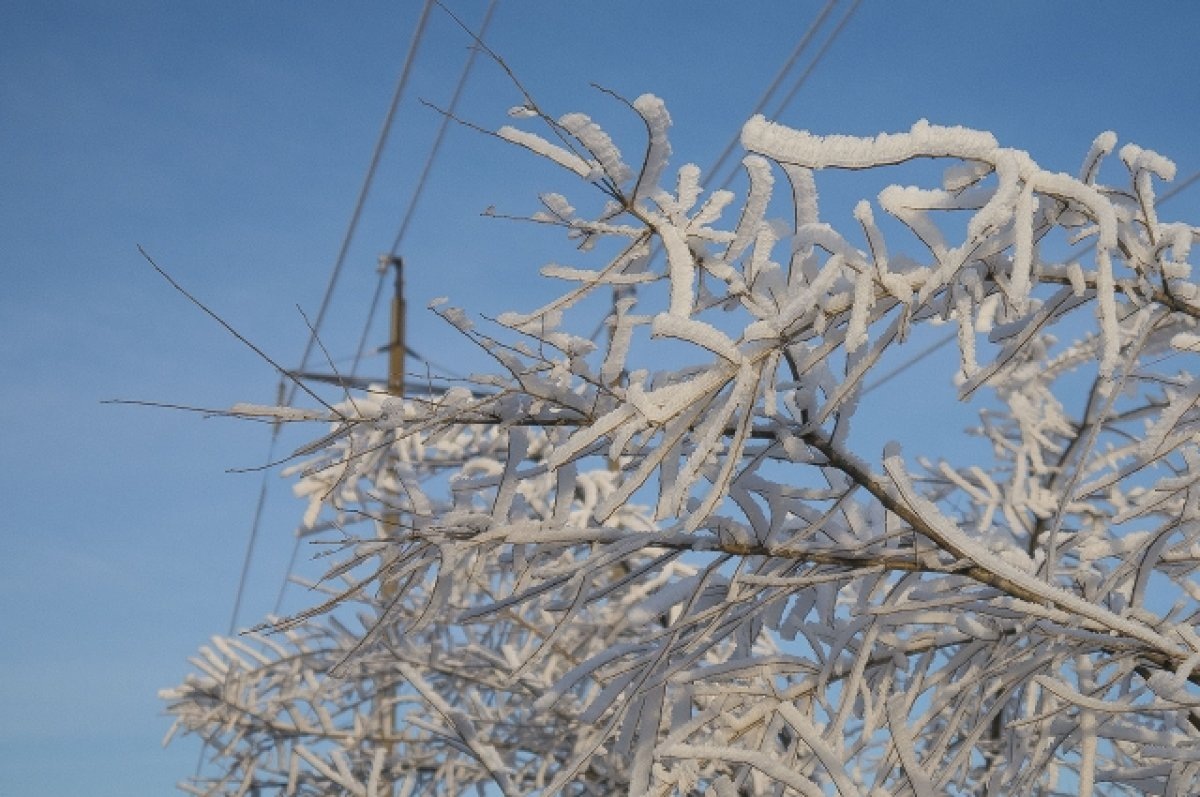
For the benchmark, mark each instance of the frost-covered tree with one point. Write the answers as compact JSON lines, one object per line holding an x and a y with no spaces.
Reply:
{"x":593,"y":572}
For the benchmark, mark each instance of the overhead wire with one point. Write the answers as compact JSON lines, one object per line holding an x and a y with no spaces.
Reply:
{"x":260,"y":504}
{"x":287,"y":393}
{"x":409,"y":213}
{"x":1180,"y":188}
{"x":376,"y":156}
{"x":798,"y":83}
{"x":807,"y":73}
{"x":797,"y":51}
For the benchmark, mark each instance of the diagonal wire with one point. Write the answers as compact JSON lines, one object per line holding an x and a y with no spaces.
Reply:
{"x":807,"y":73}
{"x":401,"y":83}
{"x":399,"y":239}
{"x":800,"y":81}
{"x":1179,"y":189}
{"x":288,"y":394}
{"x":255,"y":523}
{"x":797,"y":51}
{"x":420,"y":186}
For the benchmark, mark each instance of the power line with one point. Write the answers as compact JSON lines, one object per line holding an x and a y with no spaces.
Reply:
{"x":401,"y":83}
{"x":399,"y":239}
{"x":288,"y":394}
{"x":441,"y":133}
{"x":255,"y":525}
{"x":910,"y":362}
{"x":797,"y":51}
{"x":420,"y":186}
{"x":804,"y":76}
{"x":1179,"y":189}
{"x":800,"y":81}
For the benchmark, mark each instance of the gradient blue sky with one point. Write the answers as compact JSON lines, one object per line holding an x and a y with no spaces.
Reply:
{"x":230,"y":140}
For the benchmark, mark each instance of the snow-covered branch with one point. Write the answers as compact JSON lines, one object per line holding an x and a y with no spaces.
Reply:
{"x":594,"y":573}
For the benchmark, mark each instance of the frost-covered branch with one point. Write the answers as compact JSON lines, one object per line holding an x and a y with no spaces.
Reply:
{"x":593,"y":572}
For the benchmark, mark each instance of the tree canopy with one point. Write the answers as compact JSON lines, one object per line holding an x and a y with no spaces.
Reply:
{"x":657,"y":561}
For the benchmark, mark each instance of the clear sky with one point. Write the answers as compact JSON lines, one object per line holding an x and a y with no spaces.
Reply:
{"x":230,"y":140}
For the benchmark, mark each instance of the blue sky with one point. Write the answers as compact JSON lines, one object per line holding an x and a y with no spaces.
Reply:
{"x":230,"y":140}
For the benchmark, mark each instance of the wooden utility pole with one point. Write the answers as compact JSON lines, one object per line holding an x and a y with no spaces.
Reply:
{"x":386,"y":696}
{"x":396,"y":344}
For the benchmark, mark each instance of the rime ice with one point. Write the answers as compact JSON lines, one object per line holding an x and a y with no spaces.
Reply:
{"x":654,"y":563}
